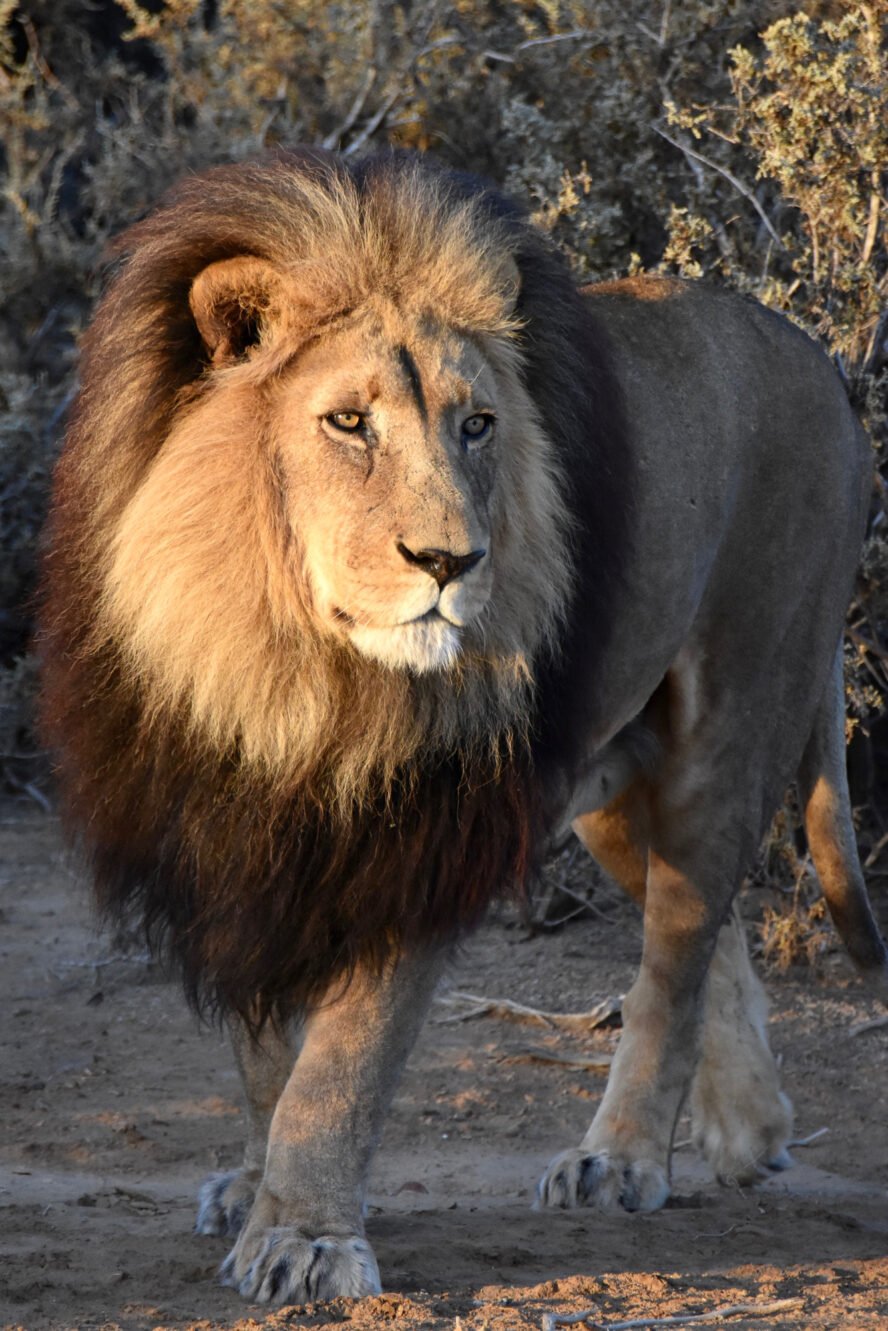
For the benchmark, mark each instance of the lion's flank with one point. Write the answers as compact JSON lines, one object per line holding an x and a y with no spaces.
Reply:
{"x":275,"y":805}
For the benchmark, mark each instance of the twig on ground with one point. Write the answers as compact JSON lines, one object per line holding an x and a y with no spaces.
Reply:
{"x":553,"y":1320}
{"x":810,"y":1139}
{"x":716,"y":1234}
{"x":545,"y":925}
{"x":96,"y":964}
{"x":597,"y":1063}
{"x":29,"y":789}
{"x":584,"y":906}
{"x":479,"y":1005}
{"x":874,"y":1025}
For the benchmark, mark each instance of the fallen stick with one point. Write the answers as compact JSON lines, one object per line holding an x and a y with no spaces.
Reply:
{"x":478,"y":1005}
{"x":809,"y":1140}
{"x":553,"y":1320}
{"x":876,"y":1024}
{"x":600,"y":1063}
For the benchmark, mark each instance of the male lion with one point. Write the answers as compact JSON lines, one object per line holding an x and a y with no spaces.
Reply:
{"x":377,"y":550}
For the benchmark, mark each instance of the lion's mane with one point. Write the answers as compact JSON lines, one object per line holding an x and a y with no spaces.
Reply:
{"x":375,"y":808}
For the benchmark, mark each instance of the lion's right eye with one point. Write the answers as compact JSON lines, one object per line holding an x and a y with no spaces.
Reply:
{"x":349,"y":421}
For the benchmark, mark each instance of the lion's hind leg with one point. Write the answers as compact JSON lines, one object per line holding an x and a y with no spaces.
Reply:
{"x":265,"y":1062}
{"x":742,"y":1120}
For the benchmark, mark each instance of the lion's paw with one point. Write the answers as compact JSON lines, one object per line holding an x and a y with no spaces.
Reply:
{"x":743,"y":1138}
{"x":224,"y":1201}
{"x":580,"y":1178}
{"x":283,"y":1266}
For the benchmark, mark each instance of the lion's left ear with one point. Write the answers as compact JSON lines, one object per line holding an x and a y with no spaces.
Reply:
{"x":235,"y":302}
{"x":509,"y":280}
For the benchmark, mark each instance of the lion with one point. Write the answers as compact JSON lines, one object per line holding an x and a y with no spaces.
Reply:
{"x":378,"y":553}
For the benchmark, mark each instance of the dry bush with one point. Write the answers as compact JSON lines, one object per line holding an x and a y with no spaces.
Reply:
{"x":790,"y":914}
{"x":796,"y":934}
{"x":642,"y":134}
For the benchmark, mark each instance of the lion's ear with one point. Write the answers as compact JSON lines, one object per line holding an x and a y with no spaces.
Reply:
{"x":235,"y":302}
{"x":509,"y":280}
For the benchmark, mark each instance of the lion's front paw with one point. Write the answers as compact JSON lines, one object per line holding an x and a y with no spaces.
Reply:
{"x":224,"y":1202}
{"x":281,"y":1265}
{"x":581,"y":1178}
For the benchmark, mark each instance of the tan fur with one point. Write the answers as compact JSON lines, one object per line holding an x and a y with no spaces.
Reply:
{"x":221,"y":597}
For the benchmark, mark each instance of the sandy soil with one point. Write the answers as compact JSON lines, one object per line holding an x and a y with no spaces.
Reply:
{"x":114,"y":1105}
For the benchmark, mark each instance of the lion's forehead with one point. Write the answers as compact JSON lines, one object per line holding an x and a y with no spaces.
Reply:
{"x":372,"y":363}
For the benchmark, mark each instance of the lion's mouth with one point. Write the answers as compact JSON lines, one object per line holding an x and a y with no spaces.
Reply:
{"x":430,"y":617}
{"x":428,"y":642}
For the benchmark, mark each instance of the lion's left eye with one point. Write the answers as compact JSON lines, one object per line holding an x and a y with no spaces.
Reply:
{"x":349,"y":421}
{"x":475,"y":429}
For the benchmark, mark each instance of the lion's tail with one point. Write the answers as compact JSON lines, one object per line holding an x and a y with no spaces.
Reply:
{"x":826,"y":802}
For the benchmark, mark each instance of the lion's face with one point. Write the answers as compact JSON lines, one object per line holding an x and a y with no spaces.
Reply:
{"x":343,"y":490}
{"x":387,"y":437}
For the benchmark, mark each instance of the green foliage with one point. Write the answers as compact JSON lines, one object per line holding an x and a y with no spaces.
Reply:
{"x":642,"y":134}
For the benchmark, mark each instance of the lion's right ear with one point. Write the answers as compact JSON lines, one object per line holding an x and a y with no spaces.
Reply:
{"x":235,"y":302}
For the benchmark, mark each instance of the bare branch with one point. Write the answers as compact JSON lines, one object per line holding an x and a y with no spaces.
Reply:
{"x":553,"y":1320}
{"x":40,"y":61}
{"x":728,"y":175}
{"x":872,"y":228}
{"x":867,"y":644}
{"x":373,"y":123}
{"x":579,"y":34}
{"x":862,"y":1027}
{"x":333,"y":139}
{"x":597,"y":1063}
{"x":478,"y":1005}
{"x":809,"y":1140}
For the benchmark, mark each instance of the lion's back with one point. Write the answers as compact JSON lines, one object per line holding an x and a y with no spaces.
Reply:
{"x":751,"y":477}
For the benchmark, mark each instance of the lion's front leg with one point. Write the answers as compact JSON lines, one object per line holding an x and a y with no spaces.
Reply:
{"x":265,"y":1062}
{"x":304,"y":1237}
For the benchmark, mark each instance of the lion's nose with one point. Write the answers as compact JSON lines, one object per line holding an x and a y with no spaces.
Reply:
{"x":442,"y":565}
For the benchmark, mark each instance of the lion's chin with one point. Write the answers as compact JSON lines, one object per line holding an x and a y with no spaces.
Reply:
{"x":423,"y":645}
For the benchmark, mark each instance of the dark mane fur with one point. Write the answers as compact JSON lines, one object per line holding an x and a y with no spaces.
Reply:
{"x":258,"y":889}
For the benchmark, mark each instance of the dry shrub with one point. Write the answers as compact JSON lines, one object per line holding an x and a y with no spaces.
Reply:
{"x":795,"y":934}
{"x":784,"y":899}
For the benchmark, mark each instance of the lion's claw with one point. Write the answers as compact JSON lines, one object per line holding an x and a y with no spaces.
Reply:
{"x":289,"y":1267}
{"x":582,"y":1178}
{"x":224,"y":1201}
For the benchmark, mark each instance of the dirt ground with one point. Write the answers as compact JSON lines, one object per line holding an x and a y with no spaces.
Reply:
{"x":114,"y":1104}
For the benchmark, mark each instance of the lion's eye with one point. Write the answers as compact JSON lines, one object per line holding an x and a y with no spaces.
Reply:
{"x":476,"y":428}
{"x":350,"y":421}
